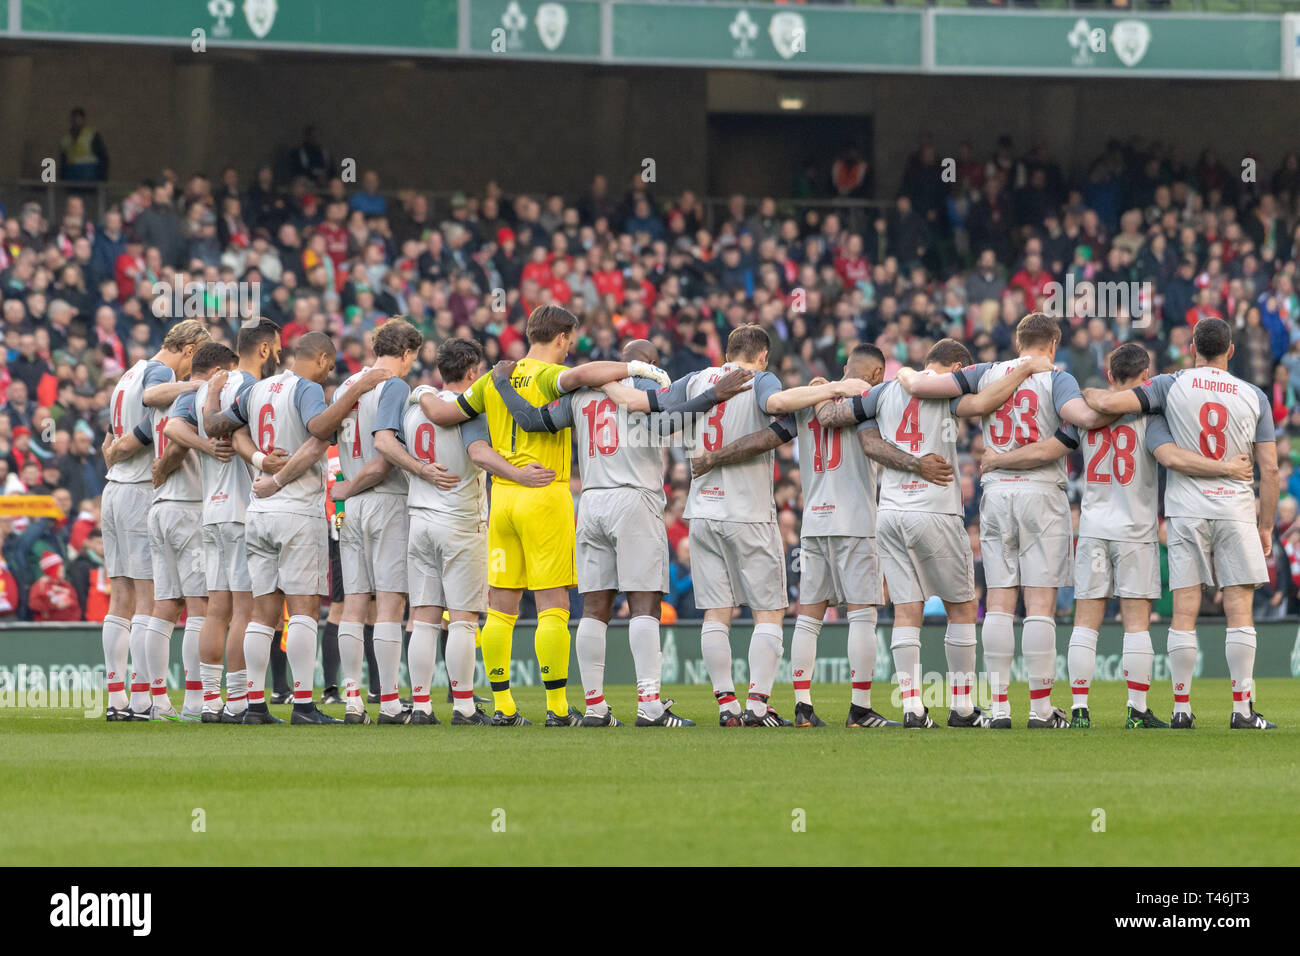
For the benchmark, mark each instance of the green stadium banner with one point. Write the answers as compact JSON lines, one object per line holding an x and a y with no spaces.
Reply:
{"x":767,"y":35}
{"x":420,"y":25}
{"x":71,"y":657}
{"x":1074,"y":43}
{"x":526,"y":28}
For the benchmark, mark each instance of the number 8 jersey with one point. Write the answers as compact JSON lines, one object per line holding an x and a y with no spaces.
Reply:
{"x":1032,"y":414}
{"x":1217,"y":414}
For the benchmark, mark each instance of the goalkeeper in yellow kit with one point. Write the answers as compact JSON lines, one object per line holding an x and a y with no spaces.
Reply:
{"x":530,"y":530}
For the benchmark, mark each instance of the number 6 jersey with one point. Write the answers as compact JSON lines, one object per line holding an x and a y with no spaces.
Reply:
{"x":1218,"y":415}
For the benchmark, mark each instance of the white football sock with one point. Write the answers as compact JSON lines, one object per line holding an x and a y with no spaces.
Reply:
{"x":159,"y":655}
{"x":388,"y":655}
{"x":765,"y":649}
{"x":715,"y":648}
{"x":1038,"y":644}
{"x":138,"y":642}
{"x":1082,"y":658}
{"x":1182,"y":664}
{"x":1239,"y":645}
{"x":905,"y":642}
{"x":959,"y":648}
{"x":1137,"y":660}
{"x":117,"y":646}
{"x":190,"y":661}
{"x":862,"y":654}
{"x":210,"y":678}
{"x":237,"y":689}
{"x":257,"y":657}
{"x":803,"y":656}
{"x":422,"y":661}
{"x":460,"y":665}
{"x":643,"y":637}
{"x":352,"y":655}
{"x":589,"y":643}
{"x":999,"y":639}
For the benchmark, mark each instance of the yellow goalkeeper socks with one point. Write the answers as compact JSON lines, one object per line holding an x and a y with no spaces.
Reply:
{"x":552,"y":645}
{"x":498,"y":634}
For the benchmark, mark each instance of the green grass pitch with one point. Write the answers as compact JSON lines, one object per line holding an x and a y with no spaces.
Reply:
{"x":84,"y":792}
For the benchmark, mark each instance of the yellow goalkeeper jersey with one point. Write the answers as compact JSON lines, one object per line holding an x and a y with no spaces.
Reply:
{"x":537,"y":382}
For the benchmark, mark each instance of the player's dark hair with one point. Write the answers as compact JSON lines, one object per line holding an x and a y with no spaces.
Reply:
{"x":396,"y":337}
{"x":313,"y":345}
{"x":211,"y":356}
{"x":547,"y":323}
{"x":1212,"y":338}
{"x":747,"y":342}
{"x":948,"y":352}
{"x":1037,"y":330}
{"x":457,"y":358}
{"x":253,"y":337}
{"x":865,"y":350}
{"x":1128,"y":362}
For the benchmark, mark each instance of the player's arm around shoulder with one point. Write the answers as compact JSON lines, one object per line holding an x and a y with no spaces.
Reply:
{"x":745,"y":448}
{"x":1033,"y":455}
{"x":551,"y":417}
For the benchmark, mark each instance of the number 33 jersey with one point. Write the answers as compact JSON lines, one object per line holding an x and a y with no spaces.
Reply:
{"x":1219,"y":416}
{"x":1033,"y":413}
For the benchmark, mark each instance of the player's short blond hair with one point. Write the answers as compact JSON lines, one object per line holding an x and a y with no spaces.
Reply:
{"x":186,"y":332}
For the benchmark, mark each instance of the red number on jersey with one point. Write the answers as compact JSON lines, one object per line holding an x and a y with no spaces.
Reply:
{"x":1016,"y":419}
{"x":602,"y":427}
{"x":1122,"y":441}
{"x":827,"y":447}
{"x":712,"y":437}
{"x":424,"y":442}
{"x":1214,"y":425}
{"x":356,"y":430}
{"x":160,"y":442}
{"x":909,"y":429}
{"x":117,"y":415}
{"x":266,"y":429}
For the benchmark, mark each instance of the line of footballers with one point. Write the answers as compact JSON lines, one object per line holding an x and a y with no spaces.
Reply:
{"x":216,"y":498}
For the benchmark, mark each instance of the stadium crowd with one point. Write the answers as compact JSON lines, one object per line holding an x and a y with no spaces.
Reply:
{"x":1141,"y":241}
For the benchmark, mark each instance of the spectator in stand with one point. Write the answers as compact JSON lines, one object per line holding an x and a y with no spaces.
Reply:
{"x":83,"y":156}
{"x":52,"y":598}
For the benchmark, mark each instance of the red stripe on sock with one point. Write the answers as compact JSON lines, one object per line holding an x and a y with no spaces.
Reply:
{"x":354,"y":693}
{"x":963,"y":689}
{"x":1000,"y":698}
{"x":384,"y":698}
{"x":597,"y":699}
{"x":1134,"y":685}
{"x":216,"y":696}
{"x":159,"y":691}
{"x":1079,"y":691}
{"x":642,"y":698}
{"x":116,"y":686}
{"x":1240,"y":695}
{"x":862,"y":685}
{"x":1182,"y":698}
{"x":193,"y":685}
{"x":462,"y":694}
{"x":910,"y":693}
{"x":420,"y":698}
{"x":231,"y":698}
{"x":802,"y":684}
{"x":727,"y":699}
{"x":139,"y":688}
{"x":301,"y":695}
{"x":255,"y":695}
{"x":1040,"y":693}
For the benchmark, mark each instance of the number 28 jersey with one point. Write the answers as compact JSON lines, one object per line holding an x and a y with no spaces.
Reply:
{"x":1121,"y":493}
{"x":1218,"y":415}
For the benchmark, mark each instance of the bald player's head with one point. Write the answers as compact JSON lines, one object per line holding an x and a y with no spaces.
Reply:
{"x":640,"y":350}
{"x":314,"y":357}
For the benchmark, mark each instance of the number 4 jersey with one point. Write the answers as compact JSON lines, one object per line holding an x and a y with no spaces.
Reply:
{"x":1218,"y":415}
{"x":918,"y":426}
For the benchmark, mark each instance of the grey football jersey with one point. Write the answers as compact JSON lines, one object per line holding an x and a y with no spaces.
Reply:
{"x":186,"y":482}
{"x":227,"y":485}
{"x":740,"y":492}
{"x":1121,"y":493}
{"x":467,"y":502}
{"x":1218,"y":415}
{"x":615,"y":448}
{"x":379,"y":409}
{"x":1031,"y":414}
{"x":839,"y":481}
{"x":127,"y":409}
{"x":918,"y":426}
{"x":277,"y":410}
